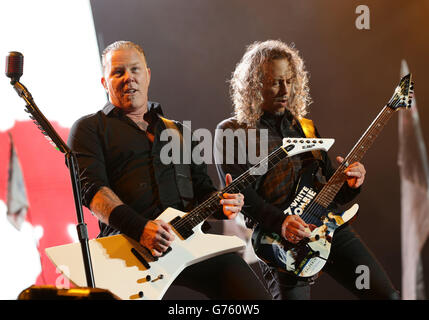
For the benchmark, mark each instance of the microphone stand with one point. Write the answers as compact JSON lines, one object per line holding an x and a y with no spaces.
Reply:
{"x":50,"y":133}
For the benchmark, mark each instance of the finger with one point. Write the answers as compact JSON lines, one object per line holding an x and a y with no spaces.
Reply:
{"x":355,"y":182}
{"x":353,"y":173}
{"x":161,"y":246}
{"x":299,"y":219}
{"x":232,"y":202}
{"x":354,"y":177}
{"x":295,"y":227}
{"x":155,"y":253}
{"x":231,"y":209}
{"x":301,"y":234}
{"x":293,"y":239}
{"x":339,"y":159}
{"x":289,"y":223}
{"x":164,"y":239}
{"x":233,"y":196}
{"x":229,"y":195}
{"x":356,"y":166}
{"x":166,"y":231}
{"x":232,"y":215}
{"x":298,"y":222}
{"x":298,"y":229}
{"x":228,"y":179}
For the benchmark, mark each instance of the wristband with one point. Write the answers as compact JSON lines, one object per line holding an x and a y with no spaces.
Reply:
{"x":127,"y":221}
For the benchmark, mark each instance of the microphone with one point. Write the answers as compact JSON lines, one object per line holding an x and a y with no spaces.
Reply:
{"x":14,"y":66}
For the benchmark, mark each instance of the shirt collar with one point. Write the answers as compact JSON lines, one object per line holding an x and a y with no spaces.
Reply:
{"x":151,"y":106}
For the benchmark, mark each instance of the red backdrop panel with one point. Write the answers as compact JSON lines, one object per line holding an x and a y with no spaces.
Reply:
{"x":49,"y":190}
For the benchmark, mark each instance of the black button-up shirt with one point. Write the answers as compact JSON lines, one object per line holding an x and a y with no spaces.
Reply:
{"x":113,"y":151}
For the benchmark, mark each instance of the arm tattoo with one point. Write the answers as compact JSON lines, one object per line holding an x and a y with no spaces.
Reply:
{"x":104,"y":201}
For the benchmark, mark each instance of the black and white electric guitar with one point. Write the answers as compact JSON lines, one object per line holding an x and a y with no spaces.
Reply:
{"x":129,"y":271}
{"x":311,"y":203}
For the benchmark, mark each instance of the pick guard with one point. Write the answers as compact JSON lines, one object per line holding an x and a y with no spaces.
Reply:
{"x":309,"y":256}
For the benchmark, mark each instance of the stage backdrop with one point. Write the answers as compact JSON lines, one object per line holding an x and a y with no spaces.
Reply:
{"x":62,"y":71}
{"x":192,"y":48}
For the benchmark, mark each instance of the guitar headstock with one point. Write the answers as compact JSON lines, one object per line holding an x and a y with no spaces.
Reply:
{"x":295,"y":146}
{"x":403,"y":95}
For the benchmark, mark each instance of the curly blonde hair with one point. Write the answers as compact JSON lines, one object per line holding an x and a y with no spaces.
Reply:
{"x":246,"y":82}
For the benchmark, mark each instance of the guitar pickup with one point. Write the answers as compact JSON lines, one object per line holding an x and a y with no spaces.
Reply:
{"x":182,"y":231}
{"x":140,"y":258}
{"x":166,"y":251}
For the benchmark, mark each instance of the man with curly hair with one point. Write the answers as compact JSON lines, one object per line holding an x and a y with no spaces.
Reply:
{"x":269,"y":90}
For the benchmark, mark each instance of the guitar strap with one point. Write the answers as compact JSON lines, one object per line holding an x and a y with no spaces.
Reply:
{"x":182,"y":171}
{"x":309,"y":130}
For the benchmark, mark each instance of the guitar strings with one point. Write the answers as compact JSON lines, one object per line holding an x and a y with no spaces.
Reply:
{"x":312,"y":212}
{"x":195,"y":215}
{"x":314,"y":208}
{"x":193,"y":218}
{"x":213,"y":200}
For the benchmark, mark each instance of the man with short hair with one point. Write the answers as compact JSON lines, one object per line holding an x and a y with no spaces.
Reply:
{"x":126,"y":184}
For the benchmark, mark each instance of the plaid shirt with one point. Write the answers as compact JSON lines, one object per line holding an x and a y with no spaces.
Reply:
{"x":278,"y":185}
{"x":271,"y":194}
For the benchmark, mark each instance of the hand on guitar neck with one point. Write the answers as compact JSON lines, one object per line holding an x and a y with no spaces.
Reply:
{"x":232,"y":202}
{"x":355,"y":173}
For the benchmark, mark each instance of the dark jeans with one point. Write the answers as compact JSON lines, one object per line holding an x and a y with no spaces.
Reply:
{"x":225,"y":277}
{"x":347,"y":252}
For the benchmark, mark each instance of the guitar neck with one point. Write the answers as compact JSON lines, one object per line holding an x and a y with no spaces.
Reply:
{"x":331,"y":188}
{"x":212,"y":204}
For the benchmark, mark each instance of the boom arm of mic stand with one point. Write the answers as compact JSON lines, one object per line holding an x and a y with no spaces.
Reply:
{"x":71,"y":162}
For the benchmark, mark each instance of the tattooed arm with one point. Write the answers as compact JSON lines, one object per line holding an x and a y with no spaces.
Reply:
{"x":154,"y":235}
{"x":103,"y":203}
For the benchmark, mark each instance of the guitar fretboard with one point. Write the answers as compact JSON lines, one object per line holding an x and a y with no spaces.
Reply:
{"x":212,"y":204}
{"x":331,"y":188}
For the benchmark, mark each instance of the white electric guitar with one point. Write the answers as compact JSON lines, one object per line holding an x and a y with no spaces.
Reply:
{"x":129,"y":271}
